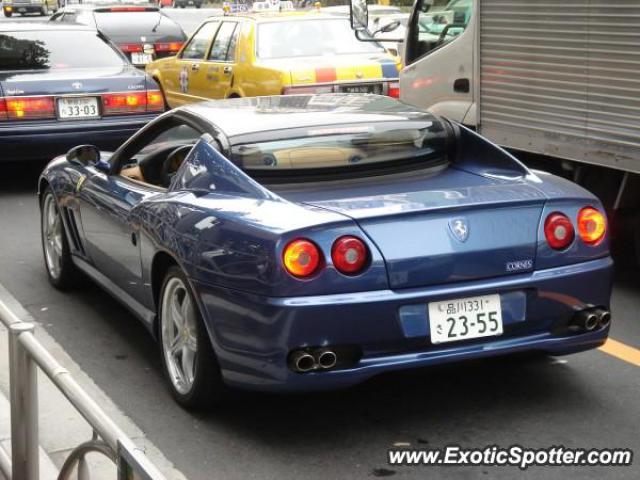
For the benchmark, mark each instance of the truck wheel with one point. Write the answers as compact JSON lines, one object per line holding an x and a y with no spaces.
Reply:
{"x":190,"y":364}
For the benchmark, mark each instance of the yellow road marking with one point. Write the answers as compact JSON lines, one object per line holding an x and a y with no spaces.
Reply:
{"x":622,"y":351}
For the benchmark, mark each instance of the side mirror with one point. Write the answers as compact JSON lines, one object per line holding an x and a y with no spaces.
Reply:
{"x":359,"y":15}
{"x":88,"y":156}
{"x":389,"y":27}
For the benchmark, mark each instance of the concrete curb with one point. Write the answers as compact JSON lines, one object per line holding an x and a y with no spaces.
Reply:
{"x":62,"y":428}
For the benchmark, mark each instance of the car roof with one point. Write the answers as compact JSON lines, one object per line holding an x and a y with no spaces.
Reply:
{"x":35,"y":27}
{"x":252,"y":115}
{"x":121,"y":7}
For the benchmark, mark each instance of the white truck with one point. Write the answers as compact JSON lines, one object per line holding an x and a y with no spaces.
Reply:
{"x":555,"y":78}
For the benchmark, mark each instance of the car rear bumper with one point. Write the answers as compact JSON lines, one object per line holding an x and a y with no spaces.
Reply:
{"x":254,"y":336}
{"x":45,"y":140}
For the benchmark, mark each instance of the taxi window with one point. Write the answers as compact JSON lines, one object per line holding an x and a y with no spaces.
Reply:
{"x":196,"y":49}
{"x":224,"y":45}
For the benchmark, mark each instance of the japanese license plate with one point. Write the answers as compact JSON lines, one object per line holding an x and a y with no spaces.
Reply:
{"x":465,"y":318}
{"x":141,"y":58}
{"x":78,"y":107}
{"x":368,"y":88}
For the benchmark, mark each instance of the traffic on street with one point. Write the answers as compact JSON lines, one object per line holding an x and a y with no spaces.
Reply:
{"x":327,"y":239}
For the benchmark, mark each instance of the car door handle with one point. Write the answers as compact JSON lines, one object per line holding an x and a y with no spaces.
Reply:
{"x":228,"y":70}
{"x":195,"y":67}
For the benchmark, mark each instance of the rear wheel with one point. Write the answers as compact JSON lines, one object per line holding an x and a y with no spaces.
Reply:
{"x":190,"y":364}
{"x":61,"y":270}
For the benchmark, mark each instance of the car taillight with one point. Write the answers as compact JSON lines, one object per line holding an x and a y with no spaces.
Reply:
{"x":350,"y":255}
{"x":301,"y":258}
{"x":394,"y":90}
{"x":307,"y":90}
{"x":119,"y":103}
{"x":173,"y":47}
{"x":29,"y":108}
{"x":592,"y":225}
{"x":3,"y":109}
{"x":155,"y":101}
{"x":559,"y":231}
{"x":131,"y":47}
{"x":127,"y":9}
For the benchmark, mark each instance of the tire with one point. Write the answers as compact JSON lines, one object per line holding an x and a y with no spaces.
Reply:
{"x":191,"y":368}
{"x":61,"y":271}
{"x":8,"y":14}
{"x":43,"y":12}
{"x":198,"y":5}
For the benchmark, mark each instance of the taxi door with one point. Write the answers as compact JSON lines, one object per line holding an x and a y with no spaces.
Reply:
{"x":184,"y":82}
{"x":221,"y":62}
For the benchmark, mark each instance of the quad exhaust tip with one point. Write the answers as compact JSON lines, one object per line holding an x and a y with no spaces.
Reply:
{"x":303,"y":361}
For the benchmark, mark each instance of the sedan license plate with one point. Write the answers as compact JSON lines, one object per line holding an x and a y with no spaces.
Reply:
{"x":370,"y":88}
{"x":78,"y":108}
{"x":465,"y":318}
{"x":141,"y":58}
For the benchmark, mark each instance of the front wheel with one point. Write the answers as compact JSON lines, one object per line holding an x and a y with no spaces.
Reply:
{"x":8,"y":14}
{"x":190,"y":364}
{"x":61,"y":270}
{"x":43,"y":12}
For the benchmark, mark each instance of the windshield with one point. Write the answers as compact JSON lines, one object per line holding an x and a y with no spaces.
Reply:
{"x":306,"y":38}
{"x":55,"y":50}
{"x":346,"y":147}
{"x":130,"y":23}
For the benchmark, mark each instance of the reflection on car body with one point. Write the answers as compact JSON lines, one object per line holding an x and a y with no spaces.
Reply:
{"x":320,"y":275}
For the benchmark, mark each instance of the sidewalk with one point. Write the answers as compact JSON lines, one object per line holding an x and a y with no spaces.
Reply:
{"x":62,"y":428}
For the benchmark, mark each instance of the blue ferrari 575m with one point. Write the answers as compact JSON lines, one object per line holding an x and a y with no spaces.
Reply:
{"x":311,"y":242}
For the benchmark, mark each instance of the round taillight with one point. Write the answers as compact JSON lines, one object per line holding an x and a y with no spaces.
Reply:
{"x":559,"y":231}
{"x":349,"y":255}
{"x":301,"y":257}
{"x":592,"y":225}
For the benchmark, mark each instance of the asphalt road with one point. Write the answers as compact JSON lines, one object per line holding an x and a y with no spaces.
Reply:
{"x":585,"y":400}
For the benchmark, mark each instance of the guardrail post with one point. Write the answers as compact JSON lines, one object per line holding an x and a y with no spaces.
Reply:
{"x":23,"y":381}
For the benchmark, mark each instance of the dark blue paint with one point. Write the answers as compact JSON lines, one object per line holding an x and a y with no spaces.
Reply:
{"x":227,"y":232}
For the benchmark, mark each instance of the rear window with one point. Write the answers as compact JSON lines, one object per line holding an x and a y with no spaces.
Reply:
{"x":55,"y":50}
{"x":347,"y":148}
{"x":304,"y":38}
{"x":132,"y":23}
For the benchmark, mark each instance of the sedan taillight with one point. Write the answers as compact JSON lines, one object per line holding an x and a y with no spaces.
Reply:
{"x":393,"y":89}
{"x":3,"y":109}
{"x":558,"y":231}
{"x":172,"y":47}
{"x":131,"y":47}
{"x":28,"y":108}
{"x":350,"y":255}
{"x":592,"y":225}
{"x":132,"y":102}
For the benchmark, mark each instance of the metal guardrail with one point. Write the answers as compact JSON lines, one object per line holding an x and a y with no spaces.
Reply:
{"x":26,"y":355}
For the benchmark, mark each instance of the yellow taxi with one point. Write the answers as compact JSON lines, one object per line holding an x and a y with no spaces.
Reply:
{"x":254,"y":54}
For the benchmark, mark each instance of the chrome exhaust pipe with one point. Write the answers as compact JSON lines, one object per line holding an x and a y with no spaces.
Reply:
{"x":587,"y":320}
{"x":327,"y":358}
{"x":303,"y":361}
{"x":590,"y":321}
{"x":604,"y":317}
